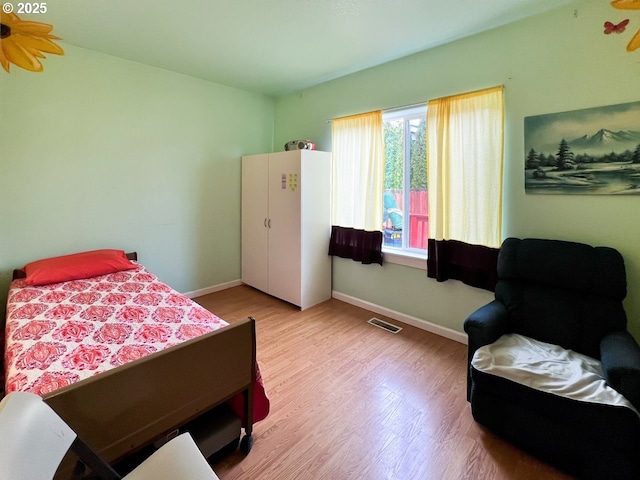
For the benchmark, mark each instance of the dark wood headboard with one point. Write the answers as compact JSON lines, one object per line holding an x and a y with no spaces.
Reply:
{"x":19,"y":273}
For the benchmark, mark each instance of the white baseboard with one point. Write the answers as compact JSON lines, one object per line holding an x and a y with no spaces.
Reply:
{"x":401,"y":317}
{"x":387,"y":312}
{"x":214,"y":288}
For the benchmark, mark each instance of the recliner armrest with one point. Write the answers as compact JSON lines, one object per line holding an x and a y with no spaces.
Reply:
{"x":487,"y":324}
{"x":620,"y":357}
{"x":484,"y":326}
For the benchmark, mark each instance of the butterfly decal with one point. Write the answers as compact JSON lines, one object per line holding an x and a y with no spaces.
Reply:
{"x":610,"y":27}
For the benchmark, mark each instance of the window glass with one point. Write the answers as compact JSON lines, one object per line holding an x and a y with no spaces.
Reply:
{"x":405,"y":218}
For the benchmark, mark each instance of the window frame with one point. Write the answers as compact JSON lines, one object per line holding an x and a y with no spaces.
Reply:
{"x":406,"y":255}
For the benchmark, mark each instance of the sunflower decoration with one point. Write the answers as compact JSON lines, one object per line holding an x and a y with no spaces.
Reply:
{"x":634,"y":43}
{"x":22,"y":42}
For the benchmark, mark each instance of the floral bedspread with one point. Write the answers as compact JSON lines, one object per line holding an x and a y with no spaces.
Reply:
{"x":61,"y":333}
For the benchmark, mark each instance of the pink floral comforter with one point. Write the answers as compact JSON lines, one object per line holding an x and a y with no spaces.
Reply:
{"x":61,"y":333}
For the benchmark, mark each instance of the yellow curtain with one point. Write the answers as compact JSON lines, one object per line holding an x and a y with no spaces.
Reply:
{"x":357,"y":171}
{"x":465,"y":148}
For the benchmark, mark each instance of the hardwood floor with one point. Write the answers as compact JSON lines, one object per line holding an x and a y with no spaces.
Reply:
{"x":352,"y":401}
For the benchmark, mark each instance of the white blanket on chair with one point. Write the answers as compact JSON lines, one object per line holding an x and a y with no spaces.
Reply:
{"x":547,"y":368}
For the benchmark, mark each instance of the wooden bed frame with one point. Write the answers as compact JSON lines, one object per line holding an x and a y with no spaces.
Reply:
{"x":124,"y":409}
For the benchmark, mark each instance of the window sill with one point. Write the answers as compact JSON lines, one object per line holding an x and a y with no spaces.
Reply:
{"x":406,"y":259}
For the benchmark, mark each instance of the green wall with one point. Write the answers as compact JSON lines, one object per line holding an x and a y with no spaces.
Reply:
{"x":99,"y":152}
{"x":555,"y":62}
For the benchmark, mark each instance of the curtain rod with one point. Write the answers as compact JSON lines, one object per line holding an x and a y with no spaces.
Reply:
{"x":384,"y":110}
{"x":402,"y":107}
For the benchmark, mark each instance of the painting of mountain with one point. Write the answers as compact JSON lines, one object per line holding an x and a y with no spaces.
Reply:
{"x":605,"y":141}
{"x":589,"y":151}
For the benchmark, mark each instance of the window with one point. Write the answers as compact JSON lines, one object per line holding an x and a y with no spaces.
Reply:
{"x":405,"y":218}
{"x":382,"y":204}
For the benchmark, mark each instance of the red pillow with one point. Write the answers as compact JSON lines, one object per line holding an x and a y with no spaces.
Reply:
{"x":76,"y":266}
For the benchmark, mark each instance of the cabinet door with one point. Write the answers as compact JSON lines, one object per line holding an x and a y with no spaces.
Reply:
{"x":284,"y":231}
{"x":255,"y":243}
{"x":315,"y":227}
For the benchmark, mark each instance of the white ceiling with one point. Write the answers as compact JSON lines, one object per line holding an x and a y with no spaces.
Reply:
{"x":275,"y":46}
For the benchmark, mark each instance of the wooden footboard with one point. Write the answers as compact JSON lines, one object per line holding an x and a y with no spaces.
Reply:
{"x":126,"y":408}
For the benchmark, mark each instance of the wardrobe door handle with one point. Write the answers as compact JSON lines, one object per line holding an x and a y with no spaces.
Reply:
{"x":269,"y":223}
{"x":265,"y":223}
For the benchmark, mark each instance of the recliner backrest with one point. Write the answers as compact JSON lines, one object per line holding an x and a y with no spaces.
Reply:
{"x":560,"y":292}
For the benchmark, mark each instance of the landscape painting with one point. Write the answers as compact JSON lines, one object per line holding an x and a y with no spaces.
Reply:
{"x":590,"y":151}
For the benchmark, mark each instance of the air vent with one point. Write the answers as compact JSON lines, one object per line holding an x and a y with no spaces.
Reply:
{"x":376,"y":322}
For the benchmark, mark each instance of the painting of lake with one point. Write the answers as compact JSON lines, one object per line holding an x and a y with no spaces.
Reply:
{"x":590,"y":151}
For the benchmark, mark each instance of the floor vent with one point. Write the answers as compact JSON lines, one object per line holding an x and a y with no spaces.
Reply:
{"x":385,"y":325}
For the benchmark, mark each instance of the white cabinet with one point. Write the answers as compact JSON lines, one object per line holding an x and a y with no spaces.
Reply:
{"x":286,"y":225}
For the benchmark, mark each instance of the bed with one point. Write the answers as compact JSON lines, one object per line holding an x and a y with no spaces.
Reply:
{"x":121,"y":356}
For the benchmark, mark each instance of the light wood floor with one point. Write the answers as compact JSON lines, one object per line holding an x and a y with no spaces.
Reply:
{"x":352,"y":401}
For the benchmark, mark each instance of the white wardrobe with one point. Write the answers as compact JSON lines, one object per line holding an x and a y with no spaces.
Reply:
{"x":286,"y":225}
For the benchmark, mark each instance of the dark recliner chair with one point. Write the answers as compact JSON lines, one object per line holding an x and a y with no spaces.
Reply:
{"x":568,"y":294}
